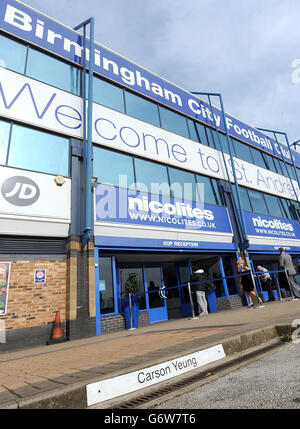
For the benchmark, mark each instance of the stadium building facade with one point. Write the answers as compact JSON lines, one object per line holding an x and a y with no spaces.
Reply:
{"x":123,"y":173}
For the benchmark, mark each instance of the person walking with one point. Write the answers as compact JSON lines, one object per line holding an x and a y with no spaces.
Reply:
{"x":266,"y":281}
{"x":286,"y":263}
{"x":199,"y":287}
{"x":247,"y":282}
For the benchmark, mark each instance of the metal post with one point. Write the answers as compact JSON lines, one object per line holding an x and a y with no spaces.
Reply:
{"x":130,"y":309}
{"x":191,"y":302}
{"x":278,"y":286}
{"x":223,"y":276}
{"x":88,"y":128}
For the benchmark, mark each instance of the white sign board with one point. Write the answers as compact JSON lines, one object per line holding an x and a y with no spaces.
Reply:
{"x":28,"y":198}
{"x":27,"y":193}
{"x":128,"y":383}
{"x":36,"y":103}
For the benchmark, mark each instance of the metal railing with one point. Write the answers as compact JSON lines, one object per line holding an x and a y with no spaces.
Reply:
{"x":255,"y":278}
{"x":275,"y":273}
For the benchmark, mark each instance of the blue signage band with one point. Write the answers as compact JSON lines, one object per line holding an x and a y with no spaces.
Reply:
{"x":27,"y":24}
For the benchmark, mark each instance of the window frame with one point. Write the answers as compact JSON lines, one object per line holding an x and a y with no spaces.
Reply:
{"x":37,"y":130}
{"x":263,"y":197}
{"x":124,"y":154}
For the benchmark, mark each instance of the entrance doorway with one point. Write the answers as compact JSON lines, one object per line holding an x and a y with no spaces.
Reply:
{"x":156,"y":304}
{"x":156,"y":270}
{"x":171,"y":281}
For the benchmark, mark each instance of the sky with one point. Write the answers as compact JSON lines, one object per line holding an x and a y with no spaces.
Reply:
{"x":247,"y":50}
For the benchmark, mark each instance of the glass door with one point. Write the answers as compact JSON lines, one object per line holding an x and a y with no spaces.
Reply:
{"x":184,"y":276}
{"x":171,"y":281}
{"x":156,"y":305}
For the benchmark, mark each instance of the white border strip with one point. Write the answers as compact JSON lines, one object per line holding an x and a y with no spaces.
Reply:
{"x":127,"y":383}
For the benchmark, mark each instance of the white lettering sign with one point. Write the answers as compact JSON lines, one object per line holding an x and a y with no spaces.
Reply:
{"x":36,"y":103}
{"x":124,"y":384}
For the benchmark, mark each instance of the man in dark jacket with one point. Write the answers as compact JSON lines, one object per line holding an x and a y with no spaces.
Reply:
{"x":286,"y":263}
{"x":197,"y":285}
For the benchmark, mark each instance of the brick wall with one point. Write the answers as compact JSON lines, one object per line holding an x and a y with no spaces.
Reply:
{"x":229,"y":303}
{"x":31,"y":304}
{"x":116,"y":322}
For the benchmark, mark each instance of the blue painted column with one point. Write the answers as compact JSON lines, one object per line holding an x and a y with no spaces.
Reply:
{"x":223,"y":275}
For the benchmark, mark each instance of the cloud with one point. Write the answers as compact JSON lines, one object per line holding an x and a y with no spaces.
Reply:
{"x":241,"y":48}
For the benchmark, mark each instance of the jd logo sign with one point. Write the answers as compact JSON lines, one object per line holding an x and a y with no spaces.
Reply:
{"x":20,"y":191}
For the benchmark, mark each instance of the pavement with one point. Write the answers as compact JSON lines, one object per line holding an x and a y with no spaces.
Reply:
{"x":55,"y":376}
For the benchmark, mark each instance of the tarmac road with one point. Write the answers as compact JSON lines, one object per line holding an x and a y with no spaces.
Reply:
{"x":272,"y":382}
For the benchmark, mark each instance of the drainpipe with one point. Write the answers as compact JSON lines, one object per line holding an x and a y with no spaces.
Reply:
{"x":88,"y":129}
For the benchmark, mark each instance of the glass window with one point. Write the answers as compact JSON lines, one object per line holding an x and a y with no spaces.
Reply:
{"x":211,"y":136}
{"x":218,"y":194}
{"x":52,"y":71}
{"x":154,"y":176}
{"x":283,"y":168}
{"x":206,"y":190}
{"x":108,"y":95}
{"x":124,"y":274}
{"x":232,"y":285}
{"x":183,"y":185}
{"x":258,"y":202}
{"x":258,"y":158}
{"x":110,"y":165}
{"x":153,"y":276}
{"x":202,"y":134}
{"x":184,"y":277}
{"x":292,"y":214}
{"x":106,"y":286}
{"x":192,"y":130}
{"x":273,"y":205}
{"x":285,"y":208}
{"x":270,"y":162}
{"x":4,"y":137}
{"x":234,"y":147}
{"x":242,"y":151}
{"x":225,"y":145}
{"x":223,"y":142}
{"x":291,"y":171}
{"x":173,"y":122}
{"x":246,"y":205}
{"x":142,"y":109}
{"x":35,"y":150}
{"x":12,"y":54}
{"x":277,"y":165}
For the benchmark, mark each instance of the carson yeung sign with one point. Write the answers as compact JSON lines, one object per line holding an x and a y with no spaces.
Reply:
{"x":103,"y":390}
{"x":32,"y":102}
{"x":37,"y":29}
